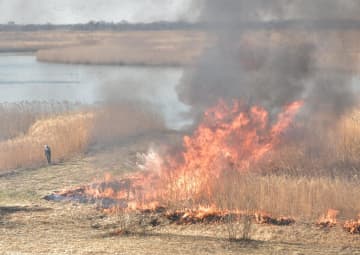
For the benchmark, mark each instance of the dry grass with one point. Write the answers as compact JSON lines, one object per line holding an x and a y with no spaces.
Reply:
{"x":295,"y":181}
{"x":302,"y":179}
{"x":166,"y":48}
{"x":184,"y":47}
{"x":117,"y":122}
{"x":67,"y":135}
{"x":319,"y":170}
{"x":16,"y":118}
{"x":71,"y":133}
{"x":300,"y":197}
{"x":33,"y":41}
{"x":313,"y":150}
{"x":170,"y":47}
{"x":36,"y":226}
{"x":305,"y":185}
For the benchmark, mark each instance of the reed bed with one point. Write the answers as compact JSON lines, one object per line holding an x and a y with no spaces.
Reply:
{"x":300,"y":197}
{"x":301,"y":179}
{"x":16,"y":118}
{"x":67,"y":135}
{"x":68,"y":129}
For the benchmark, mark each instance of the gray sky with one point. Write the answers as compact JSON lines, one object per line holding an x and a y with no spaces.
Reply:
{"x":81,"y":11}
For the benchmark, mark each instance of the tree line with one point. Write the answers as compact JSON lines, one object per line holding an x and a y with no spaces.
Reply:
{"x":101,"y":25}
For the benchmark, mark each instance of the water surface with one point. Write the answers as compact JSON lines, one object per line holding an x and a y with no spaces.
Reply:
{"x":23,"y":78}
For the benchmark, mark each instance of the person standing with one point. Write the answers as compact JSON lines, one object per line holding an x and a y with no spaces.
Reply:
{"x":47,"y":152}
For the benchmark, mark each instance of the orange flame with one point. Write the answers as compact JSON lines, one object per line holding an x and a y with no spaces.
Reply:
{"x":329,"y":219}
{"x":266,"y":218}
{"x":229,"y":137}
{"x":352,"y":226}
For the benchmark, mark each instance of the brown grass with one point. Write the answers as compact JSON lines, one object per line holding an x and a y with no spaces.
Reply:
{"x":167,"y":48}
{"x":178,"y":48}
{"x":36,"y":226}
{"x":116,"y":122}
{"x":16,"y":118}
{"x":332,"y":150}
{"x":300,"y":197}
{"x":321,"y":170}
{"x":170,"y":47}
{"x":66,"y":135}
{"x":71,"y":133}
{"x":301,"y":179}
{"x":33,"y":41}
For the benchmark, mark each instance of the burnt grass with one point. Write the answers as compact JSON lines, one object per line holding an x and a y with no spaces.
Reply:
{"x":29,"y":224}
{"x":160,"y":213}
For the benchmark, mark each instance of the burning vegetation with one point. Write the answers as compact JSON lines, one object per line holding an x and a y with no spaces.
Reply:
{"x":265,"y":218}
{"x":257,"y":110}
{"x":230,"y":138}
{"x":329,"y":219}
{"x":352,"y":226}
{"x":188,"y":186}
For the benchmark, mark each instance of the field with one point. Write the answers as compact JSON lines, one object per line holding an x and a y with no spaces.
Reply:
{"x":68,"y":128}
{"x":31,"y":225}
{"x":299,"y":185}
{"x":166,"y":48}
{"x":316,"y":170}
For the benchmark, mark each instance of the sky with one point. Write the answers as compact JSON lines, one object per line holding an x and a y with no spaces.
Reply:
{"x":82,"y":11}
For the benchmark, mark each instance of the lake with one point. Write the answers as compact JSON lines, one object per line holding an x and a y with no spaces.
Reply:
{"x":23,"y":78}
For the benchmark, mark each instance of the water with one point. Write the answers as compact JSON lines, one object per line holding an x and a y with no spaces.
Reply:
{"x":22,"y":78}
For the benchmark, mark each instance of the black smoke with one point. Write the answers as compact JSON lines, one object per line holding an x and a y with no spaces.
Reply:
{"x":248,"y":63}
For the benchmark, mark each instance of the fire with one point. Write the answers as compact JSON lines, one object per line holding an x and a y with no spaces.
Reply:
{"x":202,"y":214}
{"x":329,"y":219}
{"x":230,"y":137}
{"x":352,"y":226}
{"x":265,"y":218}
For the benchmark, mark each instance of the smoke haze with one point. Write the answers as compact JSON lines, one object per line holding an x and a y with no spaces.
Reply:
{"x":82,"y":11}
{"x":268,"y":67}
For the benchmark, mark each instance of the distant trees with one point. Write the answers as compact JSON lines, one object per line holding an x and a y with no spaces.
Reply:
{"x":102,"y":25}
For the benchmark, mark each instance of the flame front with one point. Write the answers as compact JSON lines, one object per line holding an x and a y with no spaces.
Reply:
{"x":329,"y":219}
{"x":230,"y":137}
{"x":352,"y":226}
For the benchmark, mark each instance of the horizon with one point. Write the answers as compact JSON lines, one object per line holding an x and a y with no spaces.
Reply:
{"x":67,"y":12}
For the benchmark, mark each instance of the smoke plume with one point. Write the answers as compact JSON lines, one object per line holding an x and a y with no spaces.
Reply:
{"x":125,"y":113}
{"x":272,"y":67}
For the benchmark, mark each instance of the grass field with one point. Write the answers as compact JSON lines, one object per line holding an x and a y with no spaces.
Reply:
{"x":170,"y":48}
{"x":299,"y":183}
{"x":165,"y":48}
{"x":31,"y":225}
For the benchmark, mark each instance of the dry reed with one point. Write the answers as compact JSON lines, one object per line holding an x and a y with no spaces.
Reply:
{"x":132,"y":48}
{"x":301,"y":197}
{"x":302,"y":179}
{"x":70,"y":133}
{"x":16,"y":118}
{"x":304,"y":185}
{"x":67,"y":135}
{"x":319,"y":151}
